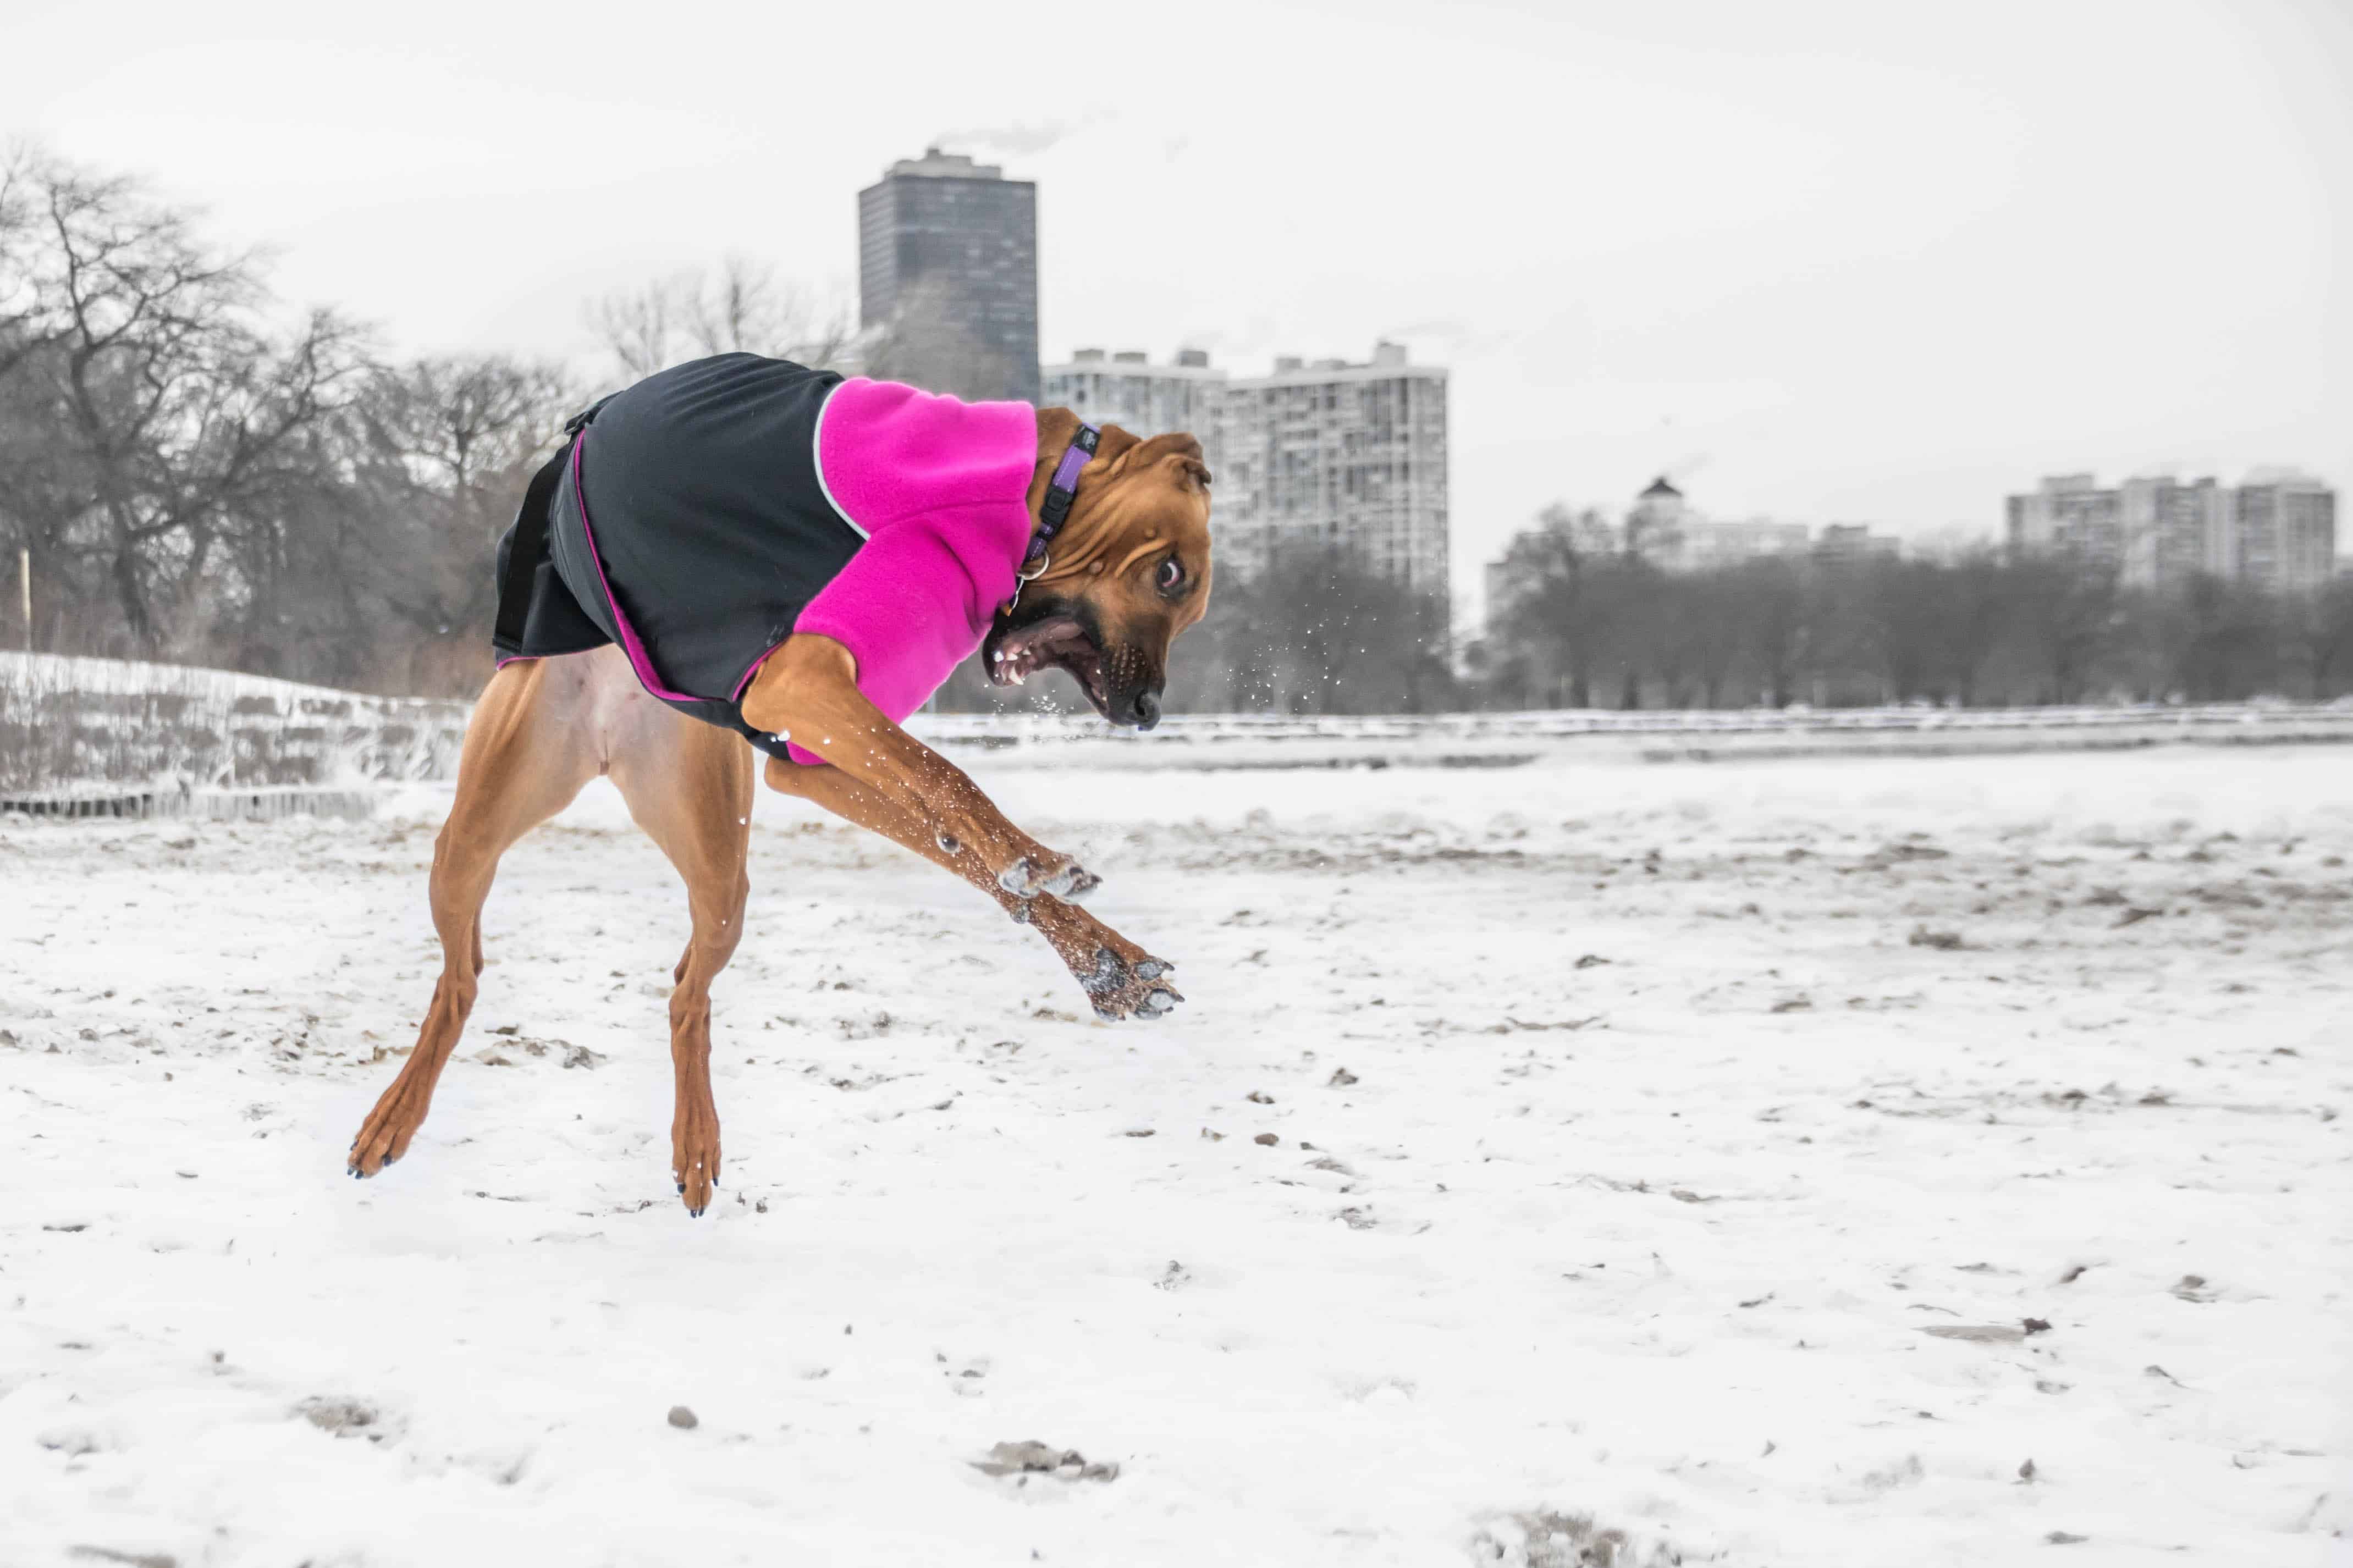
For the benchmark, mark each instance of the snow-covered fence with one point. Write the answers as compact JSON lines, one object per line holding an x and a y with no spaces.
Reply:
{"x":107,"y":728}
{"x":88,"y":736}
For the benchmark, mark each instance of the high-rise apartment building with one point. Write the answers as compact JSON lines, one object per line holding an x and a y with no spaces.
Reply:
{"x":2287,"y":532}
{"x":948,"y":276}
{"x":2069,"y":515}
{"x":2168,"y":531}
{"x":1340,"y":454}
{"x":1323,"y":454}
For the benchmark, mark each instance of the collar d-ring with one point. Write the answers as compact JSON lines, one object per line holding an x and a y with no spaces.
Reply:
{"x":1022,"y":579}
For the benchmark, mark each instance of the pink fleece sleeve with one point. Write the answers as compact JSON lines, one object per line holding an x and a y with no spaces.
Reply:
{"x":909,"y":606}
{"x":888,"y":452}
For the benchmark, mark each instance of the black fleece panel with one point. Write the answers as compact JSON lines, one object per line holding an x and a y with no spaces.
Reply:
{"x":706,"y":523}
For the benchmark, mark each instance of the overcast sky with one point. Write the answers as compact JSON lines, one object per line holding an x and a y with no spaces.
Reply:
{"x":1823,"y":262}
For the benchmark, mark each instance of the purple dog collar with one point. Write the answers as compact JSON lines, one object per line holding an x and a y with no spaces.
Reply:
{"x":1062,"y":490}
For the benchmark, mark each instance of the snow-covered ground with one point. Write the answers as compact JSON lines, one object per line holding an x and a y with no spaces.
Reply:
{"x":1689,"y":1150}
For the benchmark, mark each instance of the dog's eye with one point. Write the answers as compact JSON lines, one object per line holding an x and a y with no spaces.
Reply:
{"x":1171,"y":573}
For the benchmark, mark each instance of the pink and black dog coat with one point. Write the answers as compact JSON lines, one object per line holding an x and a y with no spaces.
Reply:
{"x":710,"y":511}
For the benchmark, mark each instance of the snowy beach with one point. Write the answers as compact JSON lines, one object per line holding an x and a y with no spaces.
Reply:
{"x":1909,"y":1161}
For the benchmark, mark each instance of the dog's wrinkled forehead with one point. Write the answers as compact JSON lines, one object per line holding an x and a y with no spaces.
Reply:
{"x":1151,"y":505}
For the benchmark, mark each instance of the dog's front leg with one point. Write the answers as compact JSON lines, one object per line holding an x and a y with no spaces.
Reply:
{"x":807,"y":692}
{"x":1121,"y":979}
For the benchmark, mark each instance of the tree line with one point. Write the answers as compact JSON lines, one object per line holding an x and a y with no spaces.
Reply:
{"x":1584,"y":624}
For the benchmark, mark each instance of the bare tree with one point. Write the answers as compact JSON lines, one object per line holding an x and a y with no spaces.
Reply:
{"x":744,"y":309}
{"x":444,"y":450}
{"x":164,"y":408}
{"x":1553,"y":608}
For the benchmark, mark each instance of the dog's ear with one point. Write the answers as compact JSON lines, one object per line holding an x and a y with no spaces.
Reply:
{"x":1114,"y":448}
{"x":1177,"y":452}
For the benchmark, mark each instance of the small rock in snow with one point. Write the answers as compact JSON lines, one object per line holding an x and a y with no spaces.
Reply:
{"x":1268,"y":1139}
{"x":1032,"y":1457}
{"x":682,"y":1418}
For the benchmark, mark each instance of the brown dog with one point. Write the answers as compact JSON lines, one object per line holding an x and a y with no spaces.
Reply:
{"x":1130,"y":570}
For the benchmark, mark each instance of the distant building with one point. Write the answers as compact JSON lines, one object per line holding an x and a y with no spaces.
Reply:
{"x":1664,"y":528}
{"x":1127,"y":390}
{"x":1708,"y":545}
{"x":1851,"y":543}
{"x":2286,"y":538}
{"x":2278,"y":531}
{"x":1353,"y":454}
{"x":947,"y":276}
{"x":2069,"y":515}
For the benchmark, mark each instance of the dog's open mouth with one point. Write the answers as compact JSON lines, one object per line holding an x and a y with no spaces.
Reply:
{"x":1055,"y":642}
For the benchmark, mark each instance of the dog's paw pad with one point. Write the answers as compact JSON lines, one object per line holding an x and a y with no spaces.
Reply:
{"x":1158,"y":1004}
{"x":1108,"y":975}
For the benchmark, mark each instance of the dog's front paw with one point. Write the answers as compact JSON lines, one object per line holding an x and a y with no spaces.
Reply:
{"x":1059,"y":875}
{"x":1129,"y":988}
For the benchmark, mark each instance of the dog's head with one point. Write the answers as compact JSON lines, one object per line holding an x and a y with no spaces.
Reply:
{"x":1129,"y":570}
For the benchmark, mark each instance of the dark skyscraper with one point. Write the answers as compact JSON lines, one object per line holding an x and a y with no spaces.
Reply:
{"x":947,"y":271}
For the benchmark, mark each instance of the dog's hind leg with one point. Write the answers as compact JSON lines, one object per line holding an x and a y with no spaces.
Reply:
{"x":690,"y":787}
{"x":529,"y":749}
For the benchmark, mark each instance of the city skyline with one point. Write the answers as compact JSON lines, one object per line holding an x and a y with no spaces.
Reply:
{"x":1860,"y":263}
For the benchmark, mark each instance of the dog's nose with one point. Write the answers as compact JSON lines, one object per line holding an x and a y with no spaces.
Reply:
{"x":1148,"y":709}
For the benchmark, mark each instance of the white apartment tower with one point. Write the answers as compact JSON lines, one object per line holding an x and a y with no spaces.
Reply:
{"x":2284,"y":531}
{"x":1339,"y":454}
{"x":1324,"y":454}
